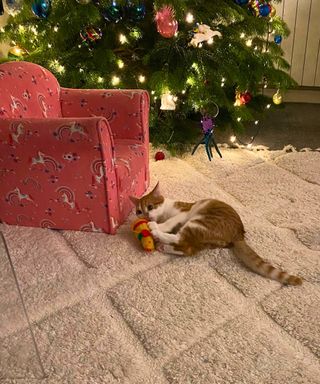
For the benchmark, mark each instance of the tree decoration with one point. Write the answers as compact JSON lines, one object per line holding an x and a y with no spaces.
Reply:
{"x":16,"y":52}
{"x":167,"y":102}
{"x":259,"y":8}
{"x":135,"y":12}
{"x":208,"y":124}
{"x":277,"y":98}
{"x":167,"y":25}
{"x":112,"y":13}
{"x":203,"y":33}
{"x":13,"y":7}
{"x":159,"y":156}
{"x":277,"y":39}
{"x":264,"y":9}
{"x":84,"y":1}
{"x":90,"y":35}
{"x":273,"y":11}
{"x":245,"y":97}
{"x":41,"y":8}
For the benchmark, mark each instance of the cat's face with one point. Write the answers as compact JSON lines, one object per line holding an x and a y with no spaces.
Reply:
{"x":149,"y":206}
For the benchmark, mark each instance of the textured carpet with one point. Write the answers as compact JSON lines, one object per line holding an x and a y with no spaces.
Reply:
{"x":95,"y":308}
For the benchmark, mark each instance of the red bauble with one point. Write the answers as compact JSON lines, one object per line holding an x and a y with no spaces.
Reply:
{"x":167,"y":25}
{"x":159,"y":156}
{"x":245,"y":97}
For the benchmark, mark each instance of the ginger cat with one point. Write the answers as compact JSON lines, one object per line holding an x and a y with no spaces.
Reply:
{"x":187,"y":228}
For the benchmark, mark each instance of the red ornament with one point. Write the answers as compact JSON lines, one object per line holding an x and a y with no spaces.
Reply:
{"x":159,"y":156}
{"x":167,"y":25}
{"x":245,"y":97}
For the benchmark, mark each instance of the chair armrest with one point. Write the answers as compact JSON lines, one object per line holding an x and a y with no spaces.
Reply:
{"x":66,"y":151}
{"x":127,"y":111}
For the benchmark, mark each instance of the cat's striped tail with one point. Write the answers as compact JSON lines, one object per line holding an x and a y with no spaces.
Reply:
{"x":254,"y":262}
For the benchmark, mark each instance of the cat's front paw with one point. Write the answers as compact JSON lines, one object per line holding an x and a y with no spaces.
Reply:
{"x":153,"y":226}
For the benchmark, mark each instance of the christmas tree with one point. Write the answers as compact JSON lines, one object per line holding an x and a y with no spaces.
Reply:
{"x":194,"y":57}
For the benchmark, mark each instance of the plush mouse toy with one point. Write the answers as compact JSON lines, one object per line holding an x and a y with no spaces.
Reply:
{"x":142,"y":232}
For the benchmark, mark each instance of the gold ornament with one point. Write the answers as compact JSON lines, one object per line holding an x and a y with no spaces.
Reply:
{"x":273,"y":11}
{"x":277,"y":98}
{"x":16,"y":52}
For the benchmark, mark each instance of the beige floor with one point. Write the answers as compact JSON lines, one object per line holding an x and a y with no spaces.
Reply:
{"x":102,"y":311}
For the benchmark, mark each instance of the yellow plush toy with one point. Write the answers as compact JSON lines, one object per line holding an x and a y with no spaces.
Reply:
{"x":142,"y":232}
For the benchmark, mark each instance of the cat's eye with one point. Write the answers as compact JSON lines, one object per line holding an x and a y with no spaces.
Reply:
{"x":150,"y":207}
{"x":138,"y":212}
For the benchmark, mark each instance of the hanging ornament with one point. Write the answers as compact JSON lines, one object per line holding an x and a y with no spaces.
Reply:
{"x":135,"y":12}
{"x":90,"y":35}
{"x":167,"y":25}
{"x":167,"y":102}
{"x":277,"y":39}
{"x":273,"y":11}
{"x":264,"y":9}
{"x":13,"y":7}
{"x":203,"y":33}
{"x":242,"y":2}
{"x":16,"y":52}
{"x":277,"y":98}
{"x":245,"y":97}
{"x":84,"y":1}
{"x":41,"y":8}
{"x":112,"y":13}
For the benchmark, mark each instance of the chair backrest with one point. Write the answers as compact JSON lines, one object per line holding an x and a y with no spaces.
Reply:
{"x":28,"y":90}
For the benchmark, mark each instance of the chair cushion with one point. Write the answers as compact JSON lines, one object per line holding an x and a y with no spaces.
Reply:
{"x":28,"y":90}
{"x":128,"y":158}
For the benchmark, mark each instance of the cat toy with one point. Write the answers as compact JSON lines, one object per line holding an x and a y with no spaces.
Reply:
{"x":142,"y":232}
{"x":207,"y":139}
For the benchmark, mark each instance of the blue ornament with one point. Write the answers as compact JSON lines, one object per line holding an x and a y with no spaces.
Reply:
{"x":135,"y":12}
{"x":277,"y":39}
{"x":113,"y":13}
{"x":264,"y":9}
{"x":242,"y":2}
{"x":41,"y":8}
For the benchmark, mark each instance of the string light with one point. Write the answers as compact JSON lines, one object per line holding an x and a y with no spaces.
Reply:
{"x":21,"y":28}
{"x":142,"y":79}
{"x":100,"y":79}
{"x":2,"y":30}
{"x":189,"y":18}
{"x":183,"y":92}
{"x":242,"y":35}
{"x":210,"y":41}
{"x":120,"y":63}
{"x":115,"y":80}
{"x":54,"y":64}
{"x":34,"y":30}
{"x":49,"y":45}
{"x":152,"y":92}
{"x":233,"y":139}
{"x":56,"y":28}
{"x":122,"y":39}
{"x":175,"y":98}
{"x":268,"y":106}
{"x":256,"y":122}
{"x":249,"y":43}
{"x":239,"y":119}
{"x":80,"y":70}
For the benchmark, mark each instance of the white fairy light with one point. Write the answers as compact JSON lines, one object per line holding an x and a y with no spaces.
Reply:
{"x":142,"y":79}
{"x":120,"y":63}
{"x":56,"y":28}
{"x":265,"y":85}
{"x":122,"y":38}
{"x":239,"y":119}
{"x":210,"y":41}
{"x":200,"y":45}
{"x":100,"y":79}
{"x":175,"y":98}
{"x":34,"y":30}
{"x":183,"y":92}
{"x":223,"y":79}
{"x":49,"y":45}
{"x":268,"y":106}
{"x":21,"y":28}
{"x":256,"y":122}
{"x":80,"y":70}
{"x":115,"y":80}
{"x":189,"y":18}
{"x":233,"y":139}
{"x":1,"y":29}
{"x":255,"y":48}
{"x":222,"y":84}
{"x":249,"y":43}
{"x":242,"y":35}
{"x":79,"y":45}
{"x":152,"y":92}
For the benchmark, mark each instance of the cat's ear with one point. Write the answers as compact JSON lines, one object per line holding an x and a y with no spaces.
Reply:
{"x":134,"y":200}
{"x":156,"y":190}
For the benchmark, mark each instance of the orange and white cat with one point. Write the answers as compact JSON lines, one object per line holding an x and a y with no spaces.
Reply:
{"x":187,"y":228}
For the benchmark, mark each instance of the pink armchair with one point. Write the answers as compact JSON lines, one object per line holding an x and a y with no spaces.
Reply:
{"x":69,"y":158}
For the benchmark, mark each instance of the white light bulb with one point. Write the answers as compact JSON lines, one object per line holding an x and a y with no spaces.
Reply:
{"x":80,"y":70}
{"x":268,"y":106}
{"x":233,"y":139}
{"x":115,"y":80}
{"x":189,"y":17}
{"x":242,"y":35}
{"x":223,"y":79}
{"x":1,"y":29}
{"x":200,"y":45}
{"x":210,"y":41}
{"x":142,"y":79}
{"x":222,"y":84}
{"x":49,"y":45}
{"x":56,"y":28}
{"x":175,"y":98}
{"x":239,"y":119}
{"x":256,"y":122}
{"x":100,"y":79}
{"x":183,"y":92}
{"x":21,"y":28}
{"x":249,"y":43}
{"x":152,"y":92}
{"x":265,"y":85}
{"x":255,"y":48}
{"x":120,"y":64}
{"x":122,"y":39}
